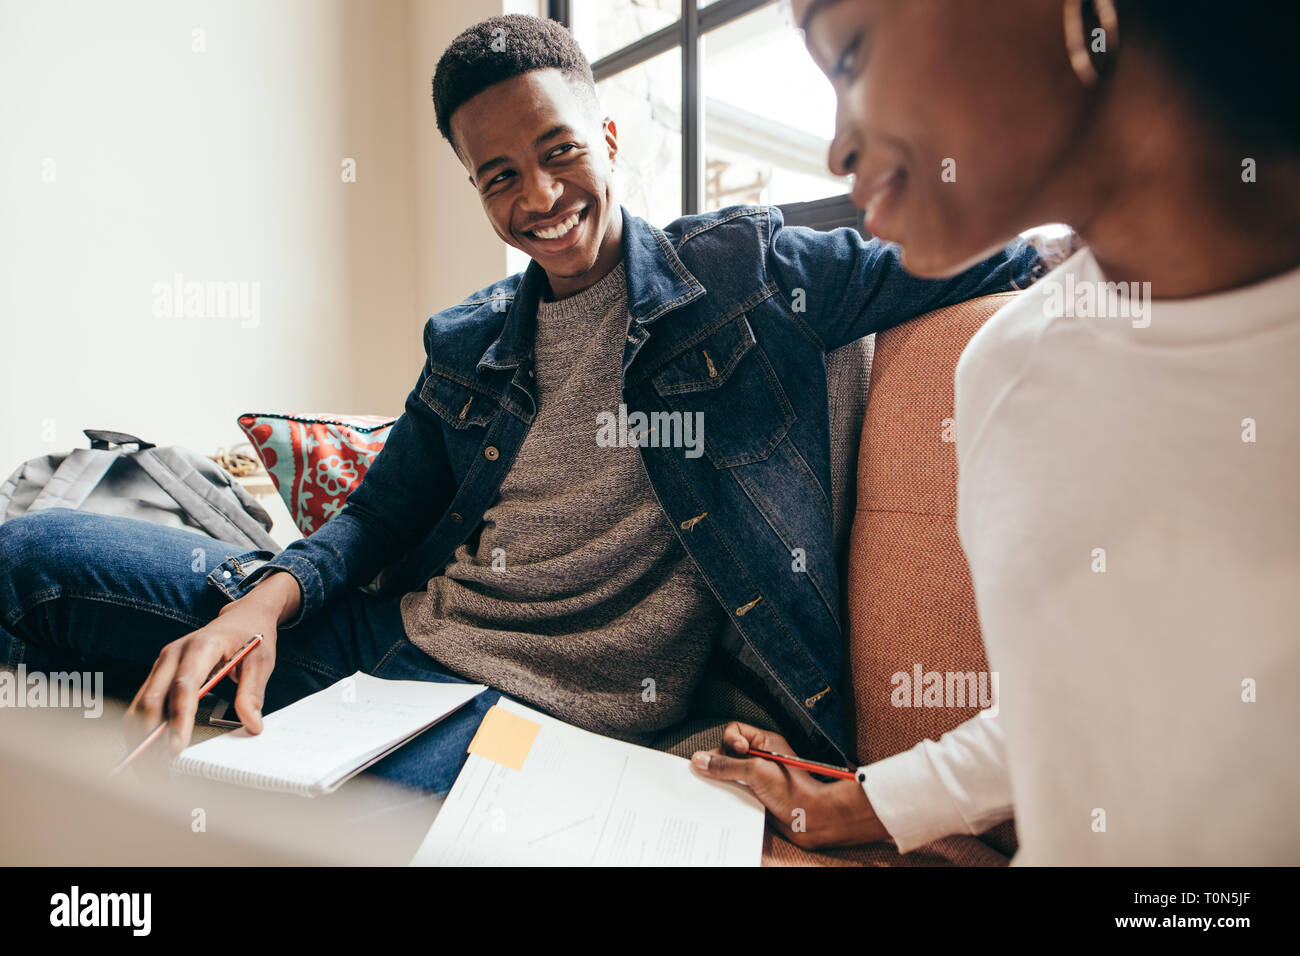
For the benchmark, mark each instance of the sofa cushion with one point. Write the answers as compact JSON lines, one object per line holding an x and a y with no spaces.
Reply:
{"x":950,"y":851}
{"x":316,"y":460}
{"x":911,"y":604}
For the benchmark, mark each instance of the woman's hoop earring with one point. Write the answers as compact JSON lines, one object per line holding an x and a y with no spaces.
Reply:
{"x":1076,"y":39}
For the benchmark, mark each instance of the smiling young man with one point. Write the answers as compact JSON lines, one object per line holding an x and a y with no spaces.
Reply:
{"x":588,"y":578}
{"x":545,"y":182}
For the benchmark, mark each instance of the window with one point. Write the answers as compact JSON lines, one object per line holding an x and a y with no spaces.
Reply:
{"x":646,"y":102}
{"x":769,"y":114}
{"x":717,"y":104}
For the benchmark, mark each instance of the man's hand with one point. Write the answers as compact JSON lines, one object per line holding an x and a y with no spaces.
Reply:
{"x":809,"y":813}
{"x":183,"y":666}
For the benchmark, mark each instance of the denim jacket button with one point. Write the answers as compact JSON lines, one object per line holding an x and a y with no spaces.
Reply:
{"x":491,"y":453}
{"x":455,"y":516}
{"x":225,"y":574}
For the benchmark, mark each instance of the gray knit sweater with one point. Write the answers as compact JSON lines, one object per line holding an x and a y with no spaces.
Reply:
{"x":576,"y":596}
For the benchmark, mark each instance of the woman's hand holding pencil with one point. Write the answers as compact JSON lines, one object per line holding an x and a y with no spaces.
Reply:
{"x":808,"y":812}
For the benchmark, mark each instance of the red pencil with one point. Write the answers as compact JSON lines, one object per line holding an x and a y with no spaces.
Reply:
{"x":211,"y":683}
{"x":812,"y":766}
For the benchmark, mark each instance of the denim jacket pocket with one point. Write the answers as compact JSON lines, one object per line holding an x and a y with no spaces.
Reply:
{"x":727,"y":380}
{"x":456,"y":401}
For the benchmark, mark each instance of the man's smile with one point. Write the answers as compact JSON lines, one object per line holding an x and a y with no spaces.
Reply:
{"x":556,"y":227}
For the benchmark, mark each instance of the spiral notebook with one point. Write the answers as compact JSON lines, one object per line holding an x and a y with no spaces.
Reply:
{"x":316,"y":744}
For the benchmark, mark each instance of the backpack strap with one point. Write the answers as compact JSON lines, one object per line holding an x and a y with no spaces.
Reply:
{"x":74,"y":479}
{"x":203,"y":501}
{"x":80,"y":472}
{"x":7,"y":491}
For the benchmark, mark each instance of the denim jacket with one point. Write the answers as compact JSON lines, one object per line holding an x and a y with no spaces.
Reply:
{"x":731,"y":315}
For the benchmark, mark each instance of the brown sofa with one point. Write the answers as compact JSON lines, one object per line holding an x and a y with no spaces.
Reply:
{"x":909,"y":592}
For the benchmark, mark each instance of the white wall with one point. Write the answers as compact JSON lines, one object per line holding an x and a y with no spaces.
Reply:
{"x":223,"y":165}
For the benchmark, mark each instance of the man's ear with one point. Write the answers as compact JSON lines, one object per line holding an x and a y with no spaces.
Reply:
{"x":611,"y":139}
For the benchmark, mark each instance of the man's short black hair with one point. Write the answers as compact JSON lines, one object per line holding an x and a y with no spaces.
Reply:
{"x":498,"y":49}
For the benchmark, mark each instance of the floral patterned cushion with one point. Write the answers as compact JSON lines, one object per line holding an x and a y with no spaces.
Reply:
{"x":315,"y":460}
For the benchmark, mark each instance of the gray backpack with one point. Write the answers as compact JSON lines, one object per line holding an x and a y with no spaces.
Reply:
{"x":168,"y":486}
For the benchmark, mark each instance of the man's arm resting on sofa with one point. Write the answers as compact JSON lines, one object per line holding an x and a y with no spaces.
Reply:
{"x":842,"y":286}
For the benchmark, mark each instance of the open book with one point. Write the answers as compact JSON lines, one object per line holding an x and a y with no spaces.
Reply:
{"x":537,"y":791}
{"x":315,"y":744}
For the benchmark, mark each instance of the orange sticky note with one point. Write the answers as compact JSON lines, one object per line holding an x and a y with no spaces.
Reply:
{"x":505,"y":738}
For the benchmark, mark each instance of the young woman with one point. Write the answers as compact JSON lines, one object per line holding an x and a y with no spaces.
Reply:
{"x":1127,"y":430}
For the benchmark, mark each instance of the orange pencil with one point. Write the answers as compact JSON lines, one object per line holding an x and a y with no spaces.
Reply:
{"x":211,"y":683}
{"x":812,"y":766}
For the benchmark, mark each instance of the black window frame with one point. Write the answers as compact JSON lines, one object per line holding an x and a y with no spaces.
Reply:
{"x":696,"y":21}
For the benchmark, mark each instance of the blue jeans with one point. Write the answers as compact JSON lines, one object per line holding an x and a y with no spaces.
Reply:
{"x":81,"y":591}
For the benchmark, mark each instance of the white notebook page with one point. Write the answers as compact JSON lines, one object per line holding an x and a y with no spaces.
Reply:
{"x":317,"y":742}
{"x":583,"y":799}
